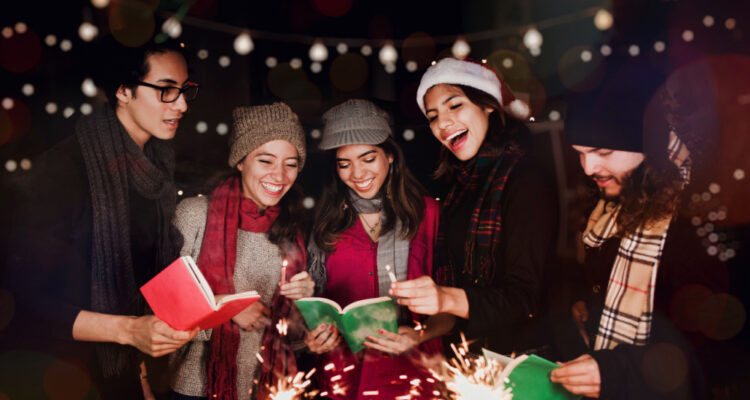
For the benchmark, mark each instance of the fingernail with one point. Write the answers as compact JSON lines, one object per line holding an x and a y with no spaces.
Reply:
{"x":380,"y":331}
{"x":330,"y":328}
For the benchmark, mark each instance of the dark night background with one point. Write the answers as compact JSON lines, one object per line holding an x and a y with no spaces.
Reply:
{"x":709,"y":59}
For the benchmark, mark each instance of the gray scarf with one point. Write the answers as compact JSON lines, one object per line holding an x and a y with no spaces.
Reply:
{"x":114,"y":164}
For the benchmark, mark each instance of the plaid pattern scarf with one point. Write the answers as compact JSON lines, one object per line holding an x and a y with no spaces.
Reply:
{"x":629,"y":304}
{"x":487,"y":174}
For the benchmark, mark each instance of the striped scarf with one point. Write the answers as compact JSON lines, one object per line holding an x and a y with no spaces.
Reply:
{"x":487,"y":174}
{"x":629,"y":304}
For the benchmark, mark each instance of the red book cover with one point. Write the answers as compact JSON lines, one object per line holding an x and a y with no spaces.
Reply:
{"x":180,"y":296}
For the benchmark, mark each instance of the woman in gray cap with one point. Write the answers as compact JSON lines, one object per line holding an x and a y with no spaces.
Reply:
{"x":240,"y":236}
{"x":499,"y":220}
{"x":373,"y":213}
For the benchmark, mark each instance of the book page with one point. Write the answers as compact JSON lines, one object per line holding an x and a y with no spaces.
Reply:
{"x":201,"y":281}
{"x":366,"y":318}
{"x":365,"y":302}
{"x":318,"y":310}
{"x":241,"y":295}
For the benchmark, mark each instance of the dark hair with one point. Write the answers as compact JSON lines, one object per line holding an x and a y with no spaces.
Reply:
{"x":292,"y":220}
{"x":403,"y":201}
{"x":123,"y":66}
{"x":650,"y":192}
{"x":501,"y":132}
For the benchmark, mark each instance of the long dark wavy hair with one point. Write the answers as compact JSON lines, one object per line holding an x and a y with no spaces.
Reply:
{"x":402,"y":200}
{"x":651,"y":192}
{"x":501,"y":132}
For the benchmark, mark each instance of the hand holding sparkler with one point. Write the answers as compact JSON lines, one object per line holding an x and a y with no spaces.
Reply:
{"x":299,"y":286}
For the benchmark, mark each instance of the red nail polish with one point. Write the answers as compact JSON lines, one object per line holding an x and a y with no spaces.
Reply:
{"x":330,"y":328}
{"x":380,"y":331}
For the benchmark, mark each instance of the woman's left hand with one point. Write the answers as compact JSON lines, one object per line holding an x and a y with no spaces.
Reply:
{"x":301,"y":285}
{"x":394,"y":343}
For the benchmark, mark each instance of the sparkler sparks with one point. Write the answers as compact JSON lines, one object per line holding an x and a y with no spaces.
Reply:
{"x":470,"y":377}
{"x":282,"y":326}
{"x":293,"y":387}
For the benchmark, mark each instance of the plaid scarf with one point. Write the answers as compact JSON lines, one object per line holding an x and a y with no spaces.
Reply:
{"x":628,"y":307}
{"x":486,"y":173}
{"x":228,"y":212}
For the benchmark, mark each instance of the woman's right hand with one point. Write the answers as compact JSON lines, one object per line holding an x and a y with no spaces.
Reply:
{"x":322,"y":339}
{"x":255,"y":316}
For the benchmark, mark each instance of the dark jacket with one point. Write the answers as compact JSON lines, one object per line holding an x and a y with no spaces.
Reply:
{"x":680,"y":349}
{"x":508,"y":314}
{"x":48,"y":274}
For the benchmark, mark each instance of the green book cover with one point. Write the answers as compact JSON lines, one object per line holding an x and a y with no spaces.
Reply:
{"x":355,"y":322}
{"x":528,"y":377}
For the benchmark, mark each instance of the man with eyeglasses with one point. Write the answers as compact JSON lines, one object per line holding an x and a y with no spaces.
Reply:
{"x":91,"y":223}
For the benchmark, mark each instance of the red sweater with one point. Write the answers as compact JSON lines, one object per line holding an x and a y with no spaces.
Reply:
{"x":352,"y":275}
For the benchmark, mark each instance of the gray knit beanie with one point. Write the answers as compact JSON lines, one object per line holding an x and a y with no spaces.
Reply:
{"x":354,"y":121}
{"x":253,"y":126}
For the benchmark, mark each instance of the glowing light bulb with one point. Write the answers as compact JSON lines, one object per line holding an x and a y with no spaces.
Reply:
{"x":461,"y":48}
{"x":388,"y":54}
{"x":243,"y":44}
{"x":318,"y":51}
{"x":603,"y":20}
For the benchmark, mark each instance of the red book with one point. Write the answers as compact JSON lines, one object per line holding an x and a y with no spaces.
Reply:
{"x":180,"y":296}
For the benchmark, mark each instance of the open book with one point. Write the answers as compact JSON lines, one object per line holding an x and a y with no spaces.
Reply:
{"x":180,"y":296}
{"x":528,"y":376}
{"x":355,"y":322}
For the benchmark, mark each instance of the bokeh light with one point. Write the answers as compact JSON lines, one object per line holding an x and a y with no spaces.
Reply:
{"x":366,"y":50}
{"x":388,"y":54}
{"x":533,"y":39}
{"x":21,"y":52}
{"x":412,"y":66}
{"x":7,"y":103}
{"x":201,"y":127}
{"x":87,"y":31}
{"x":603,"y":20}
{"x":708,"y":21}
{"x":65,"y":381}
{"x":86,"y":108}
{"x":333,"y":8}
{"x":722,"y":316}
{"x":68,"y":112}
{"x":409,"y":135}
{"x":390,"y":68}
{"x":20,"y":27}
{"x":316,"y":67}
{"x":172,"y":27}
{"x":25,"y":164}
{"x":295,"y":63}
{"x":659,"y":46}
{"x":88,"y":87}
{"x":606,"y":50}
{"x":349,"y":72}
{"x":461,"y":48}
{"x":665,"y":367}
{"x":688,"y":35}
{"x":222,"y":129}
{"x":50,"y":40}
{"x":203,"y":54}
{"x":100,"y":3}
{"x":342,"y":48}
{"x":224,"y":61}
{"x":7,"y":32}
{"x":243,"y":44}
{"x":739,"y":174}
{"x":11,"y":165}
{"x":27,"y":89}
{"x":318,"y":51}
{"x":66,"y":45}
{"x":271,"y":62}
{"x":634,"y":50}
{"x":315,"y":133}
{"x":554,"y":115}
{"x":730,"y":23}
{"x":132,"y":25}
{"x":308,"y":203}
{"x":50,"y":108}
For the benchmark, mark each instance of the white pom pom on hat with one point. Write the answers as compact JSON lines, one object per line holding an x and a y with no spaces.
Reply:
{"x":478,"y":76}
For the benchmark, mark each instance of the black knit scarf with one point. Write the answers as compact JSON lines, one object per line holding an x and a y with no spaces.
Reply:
{"x":114,"y":165}
{"x":486,"y":173}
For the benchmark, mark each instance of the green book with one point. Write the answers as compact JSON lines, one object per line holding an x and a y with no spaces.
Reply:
{"x":355,"y":322}
{"x":528,"y":377}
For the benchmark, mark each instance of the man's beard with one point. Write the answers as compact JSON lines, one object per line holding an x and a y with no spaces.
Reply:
{"x":602,"y":191}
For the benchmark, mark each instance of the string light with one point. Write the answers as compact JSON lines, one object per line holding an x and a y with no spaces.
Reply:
{"x":366,"y":50}
{"x":586,"y":56}
{"x":730,"y":23}
{"x":315,"y":133}
{"x":271,"y":62}
{"x":21,"y":28}
{"x":603,"y":20}
{"x":88,"y":87}
{"x":66,"y":45}
{"x":461,"y":48}
{"x":659,"y":46}
{"x":342,"y":48}
{"x":507,"y":63}
{"x":68,"y":112}
{"x":409,"y":135}
{"x":51,"y":108}
{"x":411,"y":66}
{"x":688,"y":35}
{"x":172,"y":27}
{"x":243,"y":44}
{"x":222,"y":129}
{"x":100,"y":3}
{"x":634,"y":50}
{"x":316,"y":67}
{"x":388,"y":54}
{"x":25,"y":164}
{"x":739,"y":174}
{"x":27,"y":89}
{"x":11,"y":165}
{"x":606,"y":50}
{"x":7,"y":103}
{"x":86,"y":109}
{"x":202,"y":54}
{"x":708,"y":21}
{"x":295,"y":63}
{"x":533,"y":39}
{"x":87,"y":31}
{"x":554,"y":115}
{"x":201,"y":127}
{"x":308,"y":203}
{"x":50,"y":40}
{"x":224,"y":61}
{"x":318,"y":52}
{"x":390,"y":68}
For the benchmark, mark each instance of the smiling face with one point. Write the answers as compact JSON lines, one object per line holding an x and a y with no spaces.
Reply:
{"x":141,"y":110}
{"x":455,"y":121}
{"x":608,"y":168}
{"x":268,"y":172}
{"x":363,"y":168}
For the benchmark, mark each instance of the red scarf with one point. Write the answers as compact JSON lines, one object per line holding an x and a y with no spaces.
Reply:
{"x":228,"y":212}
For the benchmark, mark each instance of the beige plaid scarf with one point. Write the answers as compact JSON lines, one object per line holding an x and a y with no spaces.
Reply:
{"x":629,"y":305}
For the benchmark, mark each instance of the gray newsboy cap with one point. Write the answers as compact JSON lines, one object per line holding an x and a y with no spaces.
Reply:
{"x":354,"y":121}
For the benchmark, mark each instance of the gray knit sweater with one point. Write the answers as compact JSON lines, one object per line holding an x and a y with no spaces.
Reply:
{"x":258,"y":267}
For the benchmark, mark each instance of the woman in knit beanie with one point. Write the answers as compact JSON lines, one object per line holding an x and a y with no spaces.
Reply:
{"x":241,"y":236}
{"x":498,"y":222}
{"x":373,"y":213}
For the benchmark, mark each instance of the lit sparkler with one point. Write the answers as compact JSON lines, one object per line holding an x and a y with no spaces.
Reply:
{"x":293,"y":387}
{"x":469,"y":377}
{"x":282,"y":326}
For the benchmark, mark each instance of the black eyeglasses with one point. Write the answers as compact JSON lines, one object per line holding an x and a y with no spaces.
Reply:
{"x":170,"y":94}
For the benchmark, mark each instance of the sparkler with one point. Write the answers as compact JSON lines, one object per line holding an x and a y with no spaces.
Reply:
{"x":282,"y":326}
{"x":293,"y":387}
{"x":469,"y":377}
{"x":284,"y":263}
{"x":391,"y":274}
